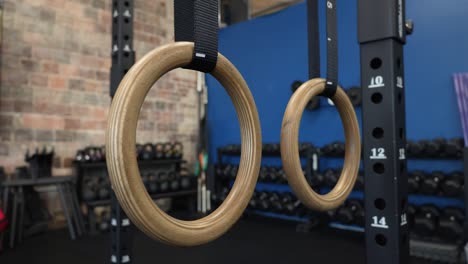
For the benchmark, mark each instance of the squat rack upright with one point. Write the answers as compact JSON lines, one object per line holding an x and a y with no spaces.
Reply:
{"x":382,"y":31}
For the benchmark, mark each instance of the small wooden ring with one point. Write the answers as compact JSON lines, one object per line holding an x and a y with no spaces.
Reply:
{"x":122,"y":162}
{"x":290,"y":149}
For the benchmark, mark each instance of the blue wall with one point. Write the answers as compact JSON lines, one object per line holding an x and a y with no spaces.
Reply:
{"x":271,"y":52}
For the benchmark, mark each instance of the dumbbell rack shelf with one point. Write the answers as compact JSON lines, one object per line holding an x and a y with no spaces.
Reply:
{"x":307,"y":155}
{"x":89,"y":169}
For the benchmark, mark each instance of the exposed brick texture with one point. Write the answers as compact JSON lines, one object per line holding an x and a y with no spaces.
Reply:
{"x":55,"y":78}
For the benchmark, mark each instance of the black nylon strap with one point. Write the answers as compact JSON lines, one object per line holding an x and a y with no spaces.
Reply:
{"x":197,"y":21}
{"x":314,"y":37}
{"x":332,"y":50}
{"x":332,"y":44}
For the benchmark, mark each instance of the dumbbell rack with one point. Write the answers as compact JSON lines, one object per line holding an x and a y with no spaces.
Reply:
{"x":98,"y":169}
{"x":419,"y":246}
{"x":310,"y":158}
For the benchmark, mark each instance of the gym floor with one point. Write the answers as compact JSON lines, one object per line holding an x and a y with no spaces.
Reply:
{"x":250,"y":241}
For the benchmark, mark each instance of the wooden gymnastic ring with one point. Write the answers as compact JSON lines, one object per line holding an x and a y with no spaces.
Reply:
{"x":122,"y":162}
{"x":290,"y":150}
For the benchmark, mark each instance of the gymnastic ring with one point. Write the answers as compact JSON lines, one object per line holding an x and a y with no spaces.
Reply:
{"x":122,"y":162}
{"x":290,"y":149}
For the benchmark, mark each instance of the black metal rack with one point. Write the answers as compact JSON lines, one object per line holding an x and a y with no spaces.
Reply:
{"x":123,"y":57}
{"x":382,"y":35}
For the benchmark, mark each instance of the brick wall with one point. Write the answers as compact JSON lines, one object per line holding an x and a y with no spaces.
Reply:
{"x":55,"y":62}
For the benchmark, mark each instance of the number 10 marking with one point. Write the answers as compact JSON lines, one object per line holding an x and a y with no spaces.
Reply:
{"x":377,"y":82}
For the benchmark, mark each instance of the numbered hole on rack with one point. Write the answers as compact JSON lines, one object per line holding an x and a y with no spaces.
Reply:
{"x":380,"y":204}
{"x":402,"y":133}
{"x":404,"y":203}
{"x":126,"y":20}
{"x":125,"y":71}
{"x":379,"y":168}
{"x":398,"y":63}
{"x":381,"y":240}
{"x":378,"y":133}
{"x":376,"y":63}
{"x":126,"y":37}
{"x":402,"y":167}
{"x":400,"y":97}
{"x":376,"y":98}
{"x":127,"y":3}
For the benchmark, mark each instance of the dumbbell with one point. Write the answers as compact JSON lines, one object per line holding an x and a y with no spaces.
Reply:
{"x":263,"y":201}
{"x":263,"y":174}
{"x":104,"y":225}
{"x":282,"y":179}
{"x":152,"y":183}
{"x":167,"y":149}
{"x":174,"y":183}
{"x":295,"y":208}
{"x":432,"y":182}
{"x":435,"y":148}
{"x":451,"y":223}
{"x":253,"y":201}
{"x":426,"y":220}
{"x":275,"y":203}
{"x":304,"y":147}
{"x":415,"y":180}
{"x":177,"y":150}
{"x":344,"y":215}
{"x":331,"y":177}
{"x":82,"y":156}
{"x":453,"y":184}
{"x":454,"y":147}
{"x":232,"y":149}
{"x":91,"y":153}
{"x":186,"y":182}
{"x":89,"y":190}
{"x":99,"y":155}
{"x":336,"y":148}
{"x":158,"y":151}
{"x":414,"y":148}
{"x":163,"y":182}
{"x":357,"y":208}
{"x":272,"y":175}
{"x":147,"y":152}
{"x":104,"y":191}
{"x":355,"y":95}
